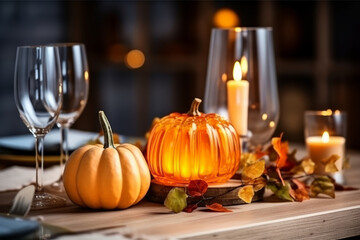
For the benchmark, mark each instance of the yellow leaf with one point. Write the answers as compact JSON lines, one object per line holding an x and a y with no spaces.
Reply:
{"x":246,"y":193}
{"x":259,"y":184}
{"x":330,"y":166}
{"x":254,"y":170}
{"x":308,"y":165}
{"x":246,"y":160}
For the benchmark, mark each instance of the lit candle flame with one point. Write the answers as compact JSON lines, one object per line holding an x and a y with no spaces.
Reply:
{"x":325,"y":137}
{"x":237,"y":71}
{"x":326,"y":113}
{"x":244,"y":65}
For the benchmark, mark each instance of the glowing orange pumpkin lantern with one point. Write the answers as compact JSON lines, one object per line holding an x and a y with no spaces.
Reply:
{"x":185,"y":147}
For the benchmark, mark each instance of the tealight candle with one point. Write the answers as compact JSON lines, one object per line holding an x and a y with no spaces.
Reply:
{"x":325,"y":133}
{"x":320,"y":148}
{"x":238,"y":101}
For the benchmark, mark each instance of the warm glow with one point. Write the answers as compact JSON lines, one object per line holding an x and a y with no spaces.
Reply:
{"x":244,"y":65}
{"x":135,"y":58}
{"x":86,"y":75}
{"x":325,"y":137}
{"x":271,"y":124}
{"x":337,"y":112}
{"x":237,"y":71}
{"x":326,"y":113}
{"x":224,"y":77}
{"x":226,"y":18}
{"x":264,"y":116}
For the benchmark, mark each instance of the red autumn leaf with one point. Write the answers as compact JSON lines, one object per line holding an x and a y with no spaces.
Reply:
{"x":281,"y":149}
{"x":217,"y":207}
{"x":299,"y":192}
{"x":197,"y":188}
{"x":190,"y":208}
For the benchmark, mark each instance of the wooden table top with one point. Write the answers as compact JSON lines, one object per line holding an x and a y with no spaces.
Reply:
{"x":321,"y":217}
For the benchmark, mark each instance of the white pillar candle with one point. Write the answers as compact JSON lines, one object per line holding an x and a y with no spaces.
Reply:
{"x":320,"y":148}
{"x":238,"y":101}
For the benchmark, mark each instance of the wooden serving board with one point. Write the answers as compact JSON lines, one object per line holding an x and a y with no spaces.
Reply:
{"x":225,"y":193}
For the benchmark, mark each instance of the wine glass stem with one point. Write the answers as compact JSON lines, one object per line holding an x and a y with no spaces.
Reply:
{"x":64,"y":147}
{"x":39,"y":155}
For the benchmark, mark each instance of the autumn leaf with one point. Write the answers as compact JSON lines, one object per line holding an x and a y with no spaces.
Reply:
{"x":197,"y":188}
{"x":281,"y":149}
{"x":299,"y":192}
{"x":217,"y":207}
{"x":280,"y":191}
{"x":254,"y":170}
{"x":280,"y":176}
{"x":259,"y":184}
{"x":324,"y":185}
{"x":246,"y":193}
{"x":247,"y":159}
{"x":330,"y":166}
{"x":190,"y":208}
{"x":176,"y":200}
{"x":308,"y":166}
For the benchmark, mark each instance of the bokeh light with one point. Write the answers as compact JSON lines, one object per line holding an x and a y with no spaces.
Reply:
{"x":135,"y":59}
{"x":226,"y":18}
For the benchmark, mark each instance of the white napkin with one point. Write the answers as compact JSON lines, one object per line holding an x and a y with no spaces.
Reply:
{"x":16,"y":177}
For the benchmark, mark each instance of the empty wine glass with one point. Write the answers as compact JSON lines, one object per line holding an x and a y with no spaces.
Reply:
{"x":75,"y":75}
{"x":38,"y":97}
{"x":253,"y":49}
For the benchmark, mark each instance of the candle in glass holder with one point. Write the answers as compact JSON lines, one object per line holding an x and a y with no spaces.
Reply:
{"x":238,"y":101}
{"x":320,"y":148}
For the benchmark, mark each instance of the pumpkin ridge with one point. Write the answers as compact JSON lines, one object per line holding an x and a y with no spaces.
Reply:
{"x":108,"y":175}
{"x":86,"y":185}
{"x":144,"y":172}
{"x":70,"y":173}
{"x":128,"y":171}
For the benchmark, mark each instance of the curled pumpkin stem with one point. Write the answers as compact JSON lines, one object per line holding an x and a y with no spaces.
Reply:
{"x":108,"y":135}
{"x":194,"y":109}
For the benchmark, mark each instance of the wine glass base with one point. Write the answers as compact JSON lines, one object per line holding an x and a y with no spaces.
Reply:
{"x":43,"y":200}
{"x":56,"y":187}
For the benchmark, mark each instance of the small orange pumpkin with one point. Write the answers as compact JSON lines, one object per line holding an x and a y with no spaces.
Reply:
{"x":106,"y":176}
{"x":185,"y":147}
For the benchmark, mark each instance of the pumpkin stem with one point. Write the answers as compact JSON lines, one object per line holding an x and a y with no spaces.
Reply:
{"x":108,"y":135}
{"x":194,"y":109}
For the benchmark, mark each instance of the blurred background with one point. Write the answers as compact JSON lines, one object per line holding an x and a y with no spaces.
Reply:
{"x":149,"y":58}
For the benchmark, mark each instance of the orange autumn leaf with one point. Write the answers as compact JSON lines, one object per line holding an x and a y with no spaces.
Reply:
{"x":217,"y":207}
{"x":299,"y":193}
{"x":281,"y":149}
{"x":246,"y":193}
{"x":254,"y":170}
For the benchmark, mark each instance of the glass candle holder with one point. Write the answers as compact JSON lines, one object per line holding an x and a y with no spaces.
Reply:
{"x":325,"y":135}
{"x":241,"y":82}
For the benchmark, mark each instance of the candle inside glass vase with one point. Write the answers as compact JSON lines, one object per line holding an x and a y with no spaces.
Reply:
{"x":238,"y":101}
{"x":325,"y":137}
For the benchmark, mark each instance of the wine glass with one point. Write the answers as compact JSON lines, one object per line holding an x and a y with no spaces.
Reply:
{"x":253,"y":49}
{"x":75,"y":75}
{"x":38,"y":98}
